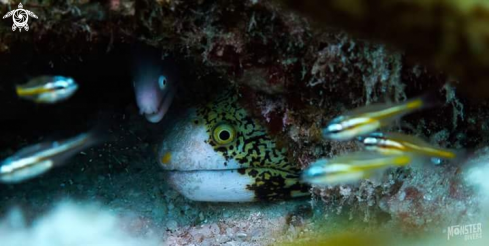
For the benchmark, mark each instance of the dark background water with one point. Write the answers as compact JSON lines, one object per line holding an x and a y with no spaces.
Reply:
{"x":104,"y":85}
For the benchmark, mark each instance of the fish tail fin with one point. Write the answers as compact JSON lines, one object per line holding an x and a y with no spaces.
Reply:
{"x":93,"y":138}
{"x":427,"y":100}
{"x":25,"y":92}
{"x":100,"y":133}
{"x":461,"y":155}
{"x":438,"y":152}
{"x":402,"y":160}
{"x":450,"y":154}
{"x":414,"y":104}
{"x":78,"y":144}
{"x":430,"y":100}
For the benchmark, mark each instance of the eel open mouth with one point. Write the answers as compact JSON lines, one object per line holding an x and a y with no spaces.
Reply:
{"x":212,"y":185}
{"x":201,"y":175}
{"x":230,"y":182}
{"x":159,"y":113}
{"x":236,"y":185}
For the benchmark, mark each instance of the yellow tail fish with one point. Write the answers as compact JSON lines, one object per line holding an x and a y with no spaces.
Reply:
{"x":47,"y":89}
{"x":398,"y":143}
{"x":351,"y":168}
{"x":368,"y":119}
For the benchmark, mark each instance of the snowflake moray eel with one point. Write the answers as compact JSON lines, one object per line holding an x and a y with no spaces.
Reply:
{"x":218,"y":153}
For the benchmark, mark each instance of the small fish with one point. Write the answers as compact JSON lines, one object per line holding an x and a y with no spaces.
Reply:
{"x":37,"y":159}
{"x":351,"y":168}
{"x":398,"y":143}
{"x":367,"y":119}
{"x":154,"y":82}
{"x":47,"y":89}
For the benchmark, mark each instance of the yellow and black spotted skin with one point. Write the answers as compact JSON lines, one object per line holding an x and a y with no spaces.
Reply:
{"x":235,"y":135}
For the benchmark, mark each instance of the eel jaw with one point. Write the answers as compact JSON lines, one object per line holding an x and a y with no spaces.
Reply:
{"x":212,"y":185}
{"x":156,"y":117}
{"x":237,"y":185}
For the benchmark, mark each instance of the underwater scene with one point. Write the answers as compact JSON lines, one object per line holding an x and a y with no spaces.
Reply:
{"x":244,"y":122}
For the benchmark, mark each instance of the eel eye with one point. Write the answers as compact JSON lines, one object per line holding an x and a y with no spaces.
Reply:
{"x":223,"y":134}
{"x":162,"y":82}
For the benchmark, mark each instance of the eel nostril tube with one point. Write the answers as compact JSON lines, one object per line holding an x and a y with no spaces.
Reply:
{"x":166,"y":158}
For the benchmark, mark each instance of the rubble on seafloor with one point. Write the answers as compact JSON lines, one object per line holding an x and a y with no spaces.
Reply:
{"x":292,"y":77}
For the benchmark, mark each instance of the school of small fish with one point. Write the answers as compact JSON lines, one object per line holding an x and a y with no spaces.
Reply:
{"x":382,"y":150}
{"x":32,"y":161}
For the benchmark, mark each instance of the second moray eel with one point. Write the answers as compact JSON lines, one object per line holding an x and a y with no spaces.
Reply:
{"x":218,"y":153}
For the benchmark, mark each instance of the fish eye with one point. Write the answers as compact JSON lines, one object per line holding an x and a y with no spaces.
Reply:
{"x":58,"y":87}
{"x":223,"y":134}
{"x":162,"y":82}
{"x":370,"y":141}
{"x":60,"y":84}
{"x":335,"y":128}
